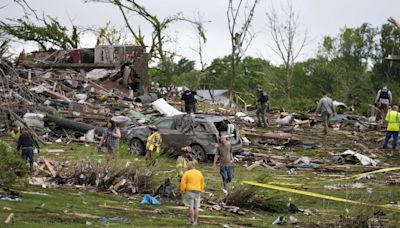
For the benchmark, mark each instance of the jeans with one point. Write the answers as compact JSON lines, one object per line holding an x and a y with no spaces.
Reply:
{"x":226,"y":172}
{"x":27,"y":153}
{"x":395,"y":139}
{"x":261,"y":110}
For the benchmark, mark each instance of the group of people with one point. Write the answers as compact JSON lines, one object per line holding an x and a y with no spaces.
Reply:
{"x":390,"y":116}
{"x":191,"y":179}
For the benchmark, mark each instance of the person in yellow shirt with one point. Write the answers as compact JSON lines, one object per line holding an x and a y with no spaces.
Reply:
{"x":393,"y":121}
{"x":192,"y":184}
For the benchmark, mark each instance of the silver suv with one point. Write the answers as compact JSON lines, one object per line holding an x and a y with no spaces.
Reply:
{"x":201,"y":132}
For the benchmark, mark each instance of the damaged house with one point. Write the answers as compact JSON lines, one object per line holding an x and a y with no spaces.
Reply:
{"x":124,"y":67}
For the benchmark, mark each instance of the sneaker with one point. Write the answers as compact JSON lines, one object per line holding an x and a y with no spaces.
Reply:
{"x":194,"y":224}
{"x":225,"y":191}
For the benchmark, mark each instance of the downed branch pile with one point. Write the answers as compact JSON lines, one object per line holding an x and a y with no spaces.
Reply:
{"x":247,"y":197}
{"x":92,"y":175}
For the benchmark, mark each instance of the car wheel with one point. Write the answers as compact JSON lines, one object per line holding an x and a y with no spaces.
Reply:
{"x":198,"y":153}
{"x":136,"y":147}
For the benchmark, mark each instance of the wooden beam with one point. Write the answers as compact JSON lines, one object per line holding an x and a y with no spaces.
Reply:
{"x":71,"y":65}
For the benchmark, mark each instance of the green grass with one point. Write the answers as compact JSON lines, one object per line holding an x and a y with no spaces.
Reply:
{"x":58,"y":208}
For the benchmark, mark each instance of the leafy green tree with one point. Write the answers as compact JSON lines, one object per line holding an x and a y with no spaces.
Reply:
{"x":47,"y":33}
{"x":389,"y":44}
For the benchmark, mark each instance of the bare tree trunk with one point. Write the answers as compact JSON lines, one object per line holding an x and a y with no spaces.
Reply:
{"x":284,"y":37}
{"x":240,"y":35}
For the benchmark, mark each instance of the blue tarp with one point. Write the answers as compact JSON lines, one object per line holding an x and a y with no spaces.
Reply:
{"x":147,"y":199}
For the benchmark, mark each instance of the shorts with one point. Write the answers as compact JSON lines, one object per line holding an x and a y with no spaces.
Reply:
{"x":192,"y":200}
{"x":226,"y":172}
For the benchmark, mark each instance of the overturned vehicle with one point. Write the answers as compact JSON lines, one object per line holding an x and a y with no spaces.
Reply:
{"x":201,"y":132}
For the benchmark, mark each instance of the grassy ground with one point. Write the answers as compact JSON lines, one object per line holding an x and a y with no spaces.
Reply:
{"x":72,"y":207}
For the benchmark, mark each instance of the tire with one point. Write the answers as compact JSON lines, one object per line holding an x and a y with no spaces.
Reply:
{"x":136,"y":147}
{"x":198,"y":153}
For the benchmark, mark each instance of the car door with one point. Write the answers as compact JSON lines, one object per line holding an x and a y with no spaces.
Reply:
{"x":171,"y":136}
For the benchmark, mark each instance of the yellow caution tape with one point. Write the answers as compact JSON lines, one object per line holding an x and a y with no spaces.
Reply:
{"x":285,"y":183}
{"x":357,"y":176}
{"x":372,"y":172}
{"x":317,"y":195}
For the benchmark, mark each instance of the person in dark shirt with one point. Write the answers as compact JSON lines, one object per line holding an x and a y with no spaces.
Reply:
{"x":262,"y":106}
{"x":189,"y":101}
{"x":26,"y":142}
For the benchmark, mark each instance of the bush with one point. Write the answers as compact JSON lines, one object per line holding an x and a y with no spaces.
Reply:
{"x":12,"y":167}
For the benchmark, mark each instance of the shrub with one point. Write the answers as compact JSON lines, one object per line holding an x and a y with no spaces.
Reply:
{"x":12,"y":167}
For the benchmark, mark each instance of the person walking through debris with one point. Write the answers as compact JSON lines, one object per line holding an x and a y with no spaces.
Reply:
{"x":153,"y":146}
{"x":383,"y":100}
{"x":110,"y":139}
{"x":26,"y":142}
{"x":262,"y":106}
{"x":192,"y":185}
{"x":225,"y":155}
{"x":326,"y":109}
{"x":183,"y":160}
{"x":189,"y":101}
{"x":393,"y":120}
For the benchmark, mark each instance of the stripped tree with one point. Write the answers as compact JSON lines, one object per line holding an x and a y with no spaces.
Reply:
{"x":240,"y":17}
{"x":158,"y":36}
{"x":287,"y":42}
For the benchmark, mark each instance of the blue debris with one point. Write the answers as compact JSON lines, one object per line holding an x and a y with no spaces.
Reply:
{"x":105,"y":219}
{"x":147,"y":199}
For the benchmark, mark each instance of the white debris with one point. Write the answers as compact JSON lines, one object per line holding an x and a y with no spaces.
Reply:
{"x":81,"y":96}
{"x":286,"y":120}
{"x":365,"y":160}
{"x":248,"y":119}
{"x":245,"y":141}
{"x":240,"y":114}
{"x":339,"y":104}
{"x":38,"y":89}
{"x":34,"y":120}
{"x":306,"y":160}
{"x":98,"y":74}
{"x":89,"y":136}
{"x":164,"y":108}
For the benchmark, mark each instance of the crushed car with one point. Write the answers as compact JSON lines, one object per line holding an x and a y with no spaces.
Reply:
{"x":201,"y":132}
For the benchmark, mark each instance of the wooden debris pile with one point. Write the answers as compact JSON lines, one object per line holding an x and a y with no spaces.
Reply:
{"x":93,"y":175}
